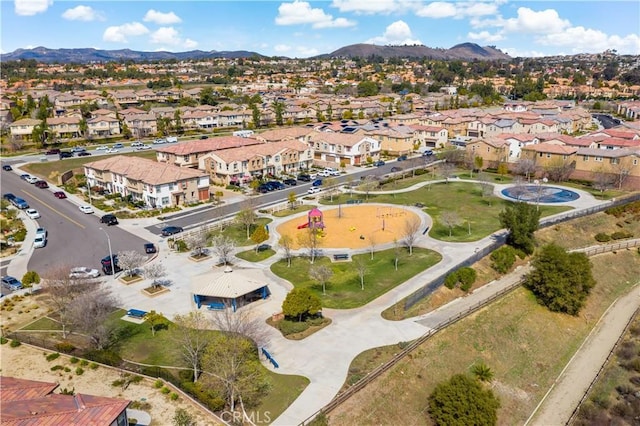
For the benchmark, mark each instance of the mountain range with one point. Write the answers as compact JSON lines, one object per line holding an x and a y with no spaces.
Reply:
{"x":466,"y":51}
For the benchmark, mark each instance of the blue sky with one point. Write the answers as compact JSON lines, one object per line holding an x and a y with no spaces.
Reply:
{"x":301,"y":29}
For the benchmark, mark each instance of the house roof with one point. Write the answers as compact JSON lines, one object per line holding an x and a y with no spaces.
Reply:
{"x":610,"y":153}
{"x":344,"y":139}
{"x":228,"y":283}
{"x":144,"y":170}
{"x":208,"y":145}
{"x":551,"y":148}
{"x":36,"y":406}
{"x":282,"y":134}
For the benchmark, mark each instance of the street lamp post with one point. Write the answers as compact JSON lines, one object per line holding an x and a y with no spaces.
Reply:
{"x":113,"y":266}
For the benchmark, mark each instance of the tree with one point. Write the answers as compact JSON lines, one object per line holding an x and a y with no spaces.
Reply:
{"x":560,"y":280}
{"x":90,"y":313}
{"x":411,"y":232}
{"x":478,"y":162}
{"x":191,"y":336}
{"x":155,"y":320}
{"x":503,"y":169}
{"x":330,"y":184}
{"x":309,"y":240}
{"x":450,"y":219}
{"x":301,"y":303}
{"x":372,"y":244}
{"x":446,"y":170}
{"x":223,"y":246}
{"x":526,"y":167}
{"x":196,"y":242}
{"x":397,"y":252}
{"x":462,"y":401}
{"x":130,"y":260}
{"x":559,"y":170}
{"x":286,"y":243}
{"x":30,"y":278}
{"x":482,"y":372}
{"x":521,"y":220}
{"x":154,"y":271}
{"x":183,"y":418}
{"x":259,"y":235}
{"x":361,"y":268}
{"x":370,"y":183}
{"x":62,"y":292}
{"x":279,"y":109}
{"x":247,"y":217}
{"x":256,"y":116}
{"x":322,"y":274}
{"x":291,"y":198}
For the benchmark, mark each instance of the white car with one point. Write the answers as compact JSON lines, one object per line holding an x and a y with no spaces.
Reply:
{"x":136,"y":144}
{"x":41,"y":232}
{"x":313,"y":190}
{"x":112,"y":150}
{"x":83,"y":272}
{"x":86,"y":209}
{"x":40,"y":241}
{"x":32,"y":179}
{"x":101,"y":148}
{"x":32,"y":213}
{"x":142,"y":147}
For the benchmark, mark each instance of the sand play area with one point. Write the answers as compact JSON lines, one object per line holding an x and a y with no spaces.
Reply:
{"x":355,"y":227}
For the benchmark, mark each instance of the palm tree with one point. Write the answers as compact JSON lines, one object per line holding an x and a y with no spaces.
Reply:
{"x":482,"y":372}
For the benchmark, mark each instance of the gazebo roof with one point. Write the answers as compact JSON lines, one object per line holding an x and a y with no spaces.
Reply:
{"x":228,"y":283}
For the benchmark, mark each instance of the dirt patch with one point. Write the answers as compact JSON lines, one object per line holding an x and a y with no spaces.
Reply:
{"x":345,"y":226}
{"x":27,"y":362}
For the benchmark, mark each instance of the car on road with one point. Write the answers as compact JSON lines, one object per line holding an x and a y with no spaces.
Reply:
{"x":65,"y":154}
{"x":40,"y":241}
{"x":78,"y":149}
{"x":314,"y":190}
{"x":112,"y":151}
{"x":102,"y":148}
{"x":204,"y":137}
{"x":54,"y":151}
{"x":150,"y":248}
{"x":24,"y":176}
{"x":330,"y":171}
{"x":8,"y":196}
{"x":83,"y":154}
{"x":143,"y":147}
{"x":107,"y":267}
{"x":290,"y":182}
{"x":136,"y":144}
{"x":317,"y":182}
{"x":304,"y":177}
{"x":41,"y":184}
{"x":7,"y":167}
{"x":20,"y":203}
{"x":379,"y":163}
{"x":396,"y":169}
{"x":86,"y":209}
{"x":42,"y":231}
{"x":11,"y":283}
{"x":159,"y":141}
{"x":32,"y":213}
{"x":171,"y":230}
{"x":402,"y":158}
{"x":118,"y":146}
{"x":60,"y":194}
{"x":32,"y":179}
{"x":109,"y":219}
{"x":427,"y":153}
{"x":172,"y":139}
{"x":84,"y":272}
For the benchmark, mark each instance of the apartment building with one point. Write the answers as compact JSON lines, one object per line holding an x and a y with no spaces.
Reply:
{"x":334,"y":148}
{"x":188,"y":154}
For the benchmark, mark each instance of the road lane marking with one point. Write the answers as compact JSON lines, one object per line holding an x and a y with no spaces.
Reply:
{"x":54,"y":209}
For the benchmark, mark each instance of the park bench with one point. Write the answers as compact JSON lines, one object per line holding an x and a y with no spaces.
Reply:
{"x":136,"y":313}
{"x":341,"y":256}
{"x":216,"y":306}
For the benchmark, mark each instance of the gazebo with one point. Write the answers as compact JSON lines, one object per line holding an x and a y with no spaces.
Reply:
{"x":234,"y":287}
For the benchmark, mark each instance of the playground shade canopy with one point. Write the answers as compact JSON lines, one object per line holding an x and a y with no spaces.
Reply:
{"x":230,"y":285}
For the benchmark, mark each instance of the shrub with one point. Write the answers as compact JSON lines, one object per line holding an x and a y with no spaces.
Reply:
{"x":165,"y":390}
{"x":619,"y":235}
{"x":67,"y":370}
{"x":79,"y":371}
{"x":451,"y":280}
{"x":57,"y":367}
{"x":173,"y":396}
{"x":503,"y":259}
{"x":15,"y":343}
{"x":52,"y":356}
{"x":3,"y":340}
{"x":104,"y":356}
{"x":287,"y":327}
{"x":467,"y":277}
{"x":92,"y":366}
{"x":74,"y":360}
{"x":20,"y":234}
{"x":601,"y":237}
{"x":158,"y":384}
{"x":180,"y":246}
{"x":30,"y":278}
{"x":65,"y":347}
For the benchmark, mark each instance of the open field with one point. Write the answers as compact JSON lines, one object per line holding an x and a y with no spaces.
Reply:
{"x":521,"y":341}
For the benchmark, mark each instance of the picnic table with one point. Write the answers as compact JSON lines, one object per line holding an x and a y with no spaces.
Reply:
{"x":136,"y":313}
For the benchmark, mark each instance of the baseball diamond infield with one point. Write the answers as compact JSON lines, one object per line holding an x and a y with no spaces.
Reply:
{"x":354,"y":226}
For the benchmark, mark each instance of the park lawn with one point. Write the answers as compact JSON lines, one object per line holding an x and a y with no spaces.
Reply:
{"x":44,"y":323}
{"x":253,"y":256}
{"x":524,"y":344}
{"x":478,"y":216}
{"x":296,"y":209}
{"x":238,"y":232}
{"x":46,"y":169}
{"x":284,"y":390}
{"x":343,"y":290}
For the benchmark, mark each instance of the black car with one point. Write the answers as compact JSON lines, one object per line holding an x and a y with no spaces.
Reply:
{"x":65,"y":154}
{"x":264,"y":188}
{"x":149,"y":248}
{"x":276,"y":185}
{"x":109,"y":219}
{"x":107,"y":267}
{"x":378,"y":163}
{"x":7,"y":167}
{"x":402,"y":158}
{"x":8,"y":196}
{"x":83,"y":154}
{"x":304,"y":177}
{"x":396,"y":169}
{"x":290,"y":182}
{"x":170,"y":230}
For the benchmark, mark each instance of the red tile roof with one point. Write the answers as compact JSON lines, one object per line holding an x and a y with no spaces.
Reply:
{"x":208,"y":145}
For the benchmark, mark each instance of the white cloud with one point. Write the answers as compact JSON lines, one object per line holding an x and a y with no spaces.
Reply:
{"x":367,"y":6}
{"x":581,"y":39}
{"x":282,"y":48}
{"x":300,"y":12}
{"x":437,"y":9}
{"x":83,"y":13}
{"x":485,"y":36}
{"x":31,"y":7}
{"x":120,"y":33}
{"x":517,"y":53}
{"x":397,"y":33}
{"x":170,"y":36}
{"x":161,"y":18}
{"x":532,"y":22}
{"x":306,"y":51}
{"x":440,"y":9}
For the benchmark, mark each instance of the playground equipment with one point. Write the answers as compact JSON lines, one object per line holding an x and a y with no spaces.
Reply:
{"x":304,"y":225}
{"x":314,"y":220}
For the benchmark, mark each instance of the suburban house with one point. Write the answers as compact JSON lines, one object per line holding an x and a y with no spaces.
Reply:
{"x":141,"y":125}
{"x":65,"y":127}
{"x":618,"y":168}
{"x":493,"y":151}
{"x":555,"y":161}
{"x":397,"y":140}
{"x":243,"y":164}
{"x":30,"y":402}
{"x":155,"y":184}
{"x":332,"y":148}
{"x":429,"y":136}
{"x":103,"y":126}
{"x":188,"y":154}
{"x":22,"y":129}
{"x":283,"y":134}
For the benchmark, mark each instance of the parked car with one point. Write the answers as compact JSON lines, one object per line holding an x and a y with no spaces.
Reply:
{"x":107,"y":267}
{"x":54,"y":151}
{"x":150,"y":248}
{"x":24,"y":176}
{"x":317,"y":182}
{"x":204,"y":137}
{"x":86,"y":209}
{"x":290,"y":182}
{"x":402,"y":158}
{"x":109,"y":219}
{"x":112,"y":150}
{"x":379,"y":163}
{"x":40,"y":241}
{"x":65,"y":154}
{"x":118,"y":146}
{"x":32,"y":179}
{"x":304,"y":177}
{"x":143,"y":147}
{"x":20,"y":203}
{"x":8,"y":196}
{"x":60,"y":194}
{"x":172,"y":139}
{"x":83,"y":154}
{"x":7,"y":167}
{"x":102,"y":148}
{"x":42,"y":231}
{"x":42,"y":184}
{"x":32,"y":213}
{"x":264,"y":188}
{"x":84,"y":272}
{"x":11,"y":283}
{"x":427,"y":153}
{"x":78,"y":149}
{"x":314,"y":190}
{"x":170,"y":230}
{"x":276,"y":185}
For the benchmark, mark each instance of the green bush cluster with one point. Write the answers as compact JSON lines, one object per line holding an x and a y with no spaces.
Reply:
{"x":15,"y":343}
{"x":30,"y":278}
{"x":65,"y":347}
{"x":53,"y":356}
{"x":57,"y":367}
{"x":465,"y":277}
{"x":79,"y":371}
{"x":74,"y":360}
{"x":602,"y":237}
{"x":287,"y":327}
{"x":104,"y":356}
{"x":503,"y":259}
{"x":206,"y":395}
{"x":20,"y":234}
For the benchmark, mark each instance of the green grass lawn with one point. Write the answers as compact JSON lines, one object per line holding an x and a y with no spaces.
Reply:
{"x":238,"y":232}
{"x":343,"y":289}
{"x":297,"y":209}
{"x":253,"y":256}
{"x":43,"y":323}
{"x":478,"y":216}
{"x":284,"y":390}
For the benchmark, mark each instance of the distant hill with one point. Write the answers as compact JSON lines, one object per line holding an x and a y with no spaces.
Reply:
{"x":84,"y":55}
{"x":459,"y":51}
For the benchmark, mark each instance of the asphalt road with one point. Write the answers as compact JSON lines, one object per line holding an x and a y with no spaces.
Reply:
{"x":210,"y":214}
{"x":606,"y":120}
{"x":75,"y":238}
